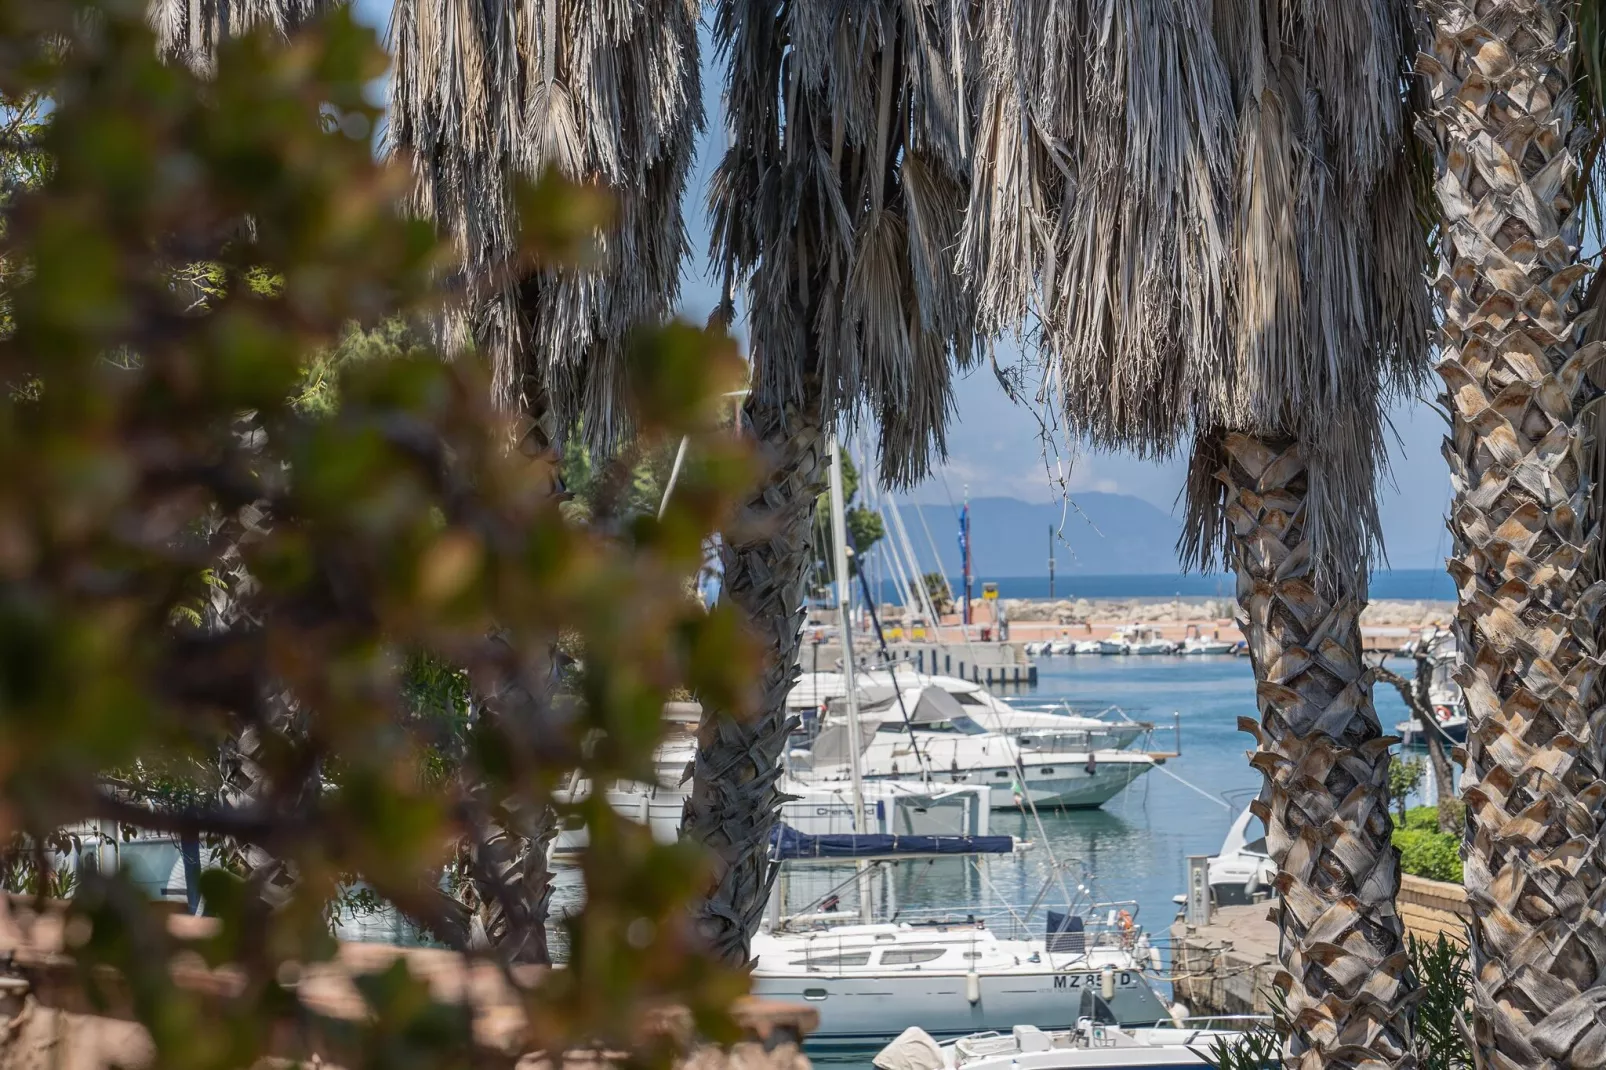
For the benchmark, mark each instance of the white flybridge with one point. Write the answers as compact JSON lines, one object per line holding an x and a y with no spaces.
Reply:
{"x":941,"y":745}
{"x":1068,"y":730}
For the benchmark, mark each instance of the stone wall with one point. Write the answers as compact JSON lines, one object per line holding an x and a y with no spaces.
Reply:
{"x":1434,"y":908}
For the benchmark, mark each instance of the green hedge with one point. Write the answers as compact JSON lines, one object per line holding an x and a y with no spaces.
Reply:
{"x":1424,"y":850}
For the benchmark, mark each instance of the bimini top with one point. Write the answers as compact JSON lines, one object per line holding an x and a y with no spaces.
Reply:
{"x":787,"y":842}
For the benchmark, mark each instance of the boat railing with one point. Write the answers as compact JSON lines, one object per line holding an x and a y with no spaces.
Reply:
{"x":1106,"y":926}
{"x":1238,"y":1023}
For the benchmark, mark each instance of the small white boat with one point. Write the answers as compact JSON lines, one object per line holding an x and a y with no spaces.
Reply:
{"x":1089,"y":1046}
{"x":1199,"y":646}
{"x":1144,"y":640}
{"x":1090,"y":646}
{"x":1037,"y":648}
{"x":1116,"y":644}
{"x":1063,"y":647}
{"x":1439,"y":648}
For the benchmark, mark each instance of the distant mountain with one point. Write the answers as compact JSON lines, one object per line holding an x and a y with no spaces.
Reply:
{"x":1102,"y":534}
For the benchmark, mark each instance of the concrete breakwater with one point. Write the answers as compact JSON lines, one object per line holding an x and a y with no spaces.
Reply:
{"x":1387,"y":624}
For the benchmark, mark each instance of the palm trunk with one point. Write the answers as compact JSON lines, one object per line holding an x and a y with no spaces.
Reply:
{"x":734,"y":802}
{"x":1325,"y":761}
{"x":509,"y":886}
{"x":1500,"y":78}
{"x":512,"y":887}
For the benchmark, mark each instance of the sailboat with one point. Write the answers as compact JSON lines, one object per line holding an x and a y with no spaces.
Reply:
{"x":952,"y":973}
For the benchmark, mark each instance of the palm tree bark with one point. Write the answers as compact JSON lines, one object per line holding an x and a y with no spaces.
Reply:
{"x":1325,"y":760}
{"x":734,"y":801}
{"x":1500,"y":78}
{"x":1414,"y":693}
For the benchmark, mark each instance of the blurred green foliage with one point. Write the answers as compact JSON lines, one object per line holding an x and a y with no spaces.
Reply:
{"x":1424,"y":850}
{"x":180,"y":260}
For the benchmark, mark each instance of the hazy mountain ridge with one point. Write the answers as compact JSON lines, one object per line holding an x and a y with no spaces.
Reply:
{"x":1099,"y":534}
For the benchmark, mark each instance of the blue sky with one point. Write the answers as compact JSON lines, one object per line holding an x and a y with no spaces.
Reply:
{"x":994,"y":445}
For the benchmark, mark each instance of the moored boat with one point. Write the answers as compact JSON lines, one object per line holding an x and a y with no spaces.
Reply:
{"x":1090,"y":1045}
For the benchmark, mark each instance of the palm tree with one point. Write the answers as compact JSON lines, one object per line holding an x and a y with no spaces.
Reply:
{"x":1517,"y":357}
{"x":1208,"y":209}
{"x":485,"y":93}
{"x":190,"y":30}
{"x":834,"y":209}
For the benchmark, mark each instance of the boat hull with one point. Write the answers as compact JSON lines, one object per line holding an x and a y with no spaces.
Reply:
{"x":1070,"y":787}
{"x":1412,"y":734}
{"x":868,"y":1011}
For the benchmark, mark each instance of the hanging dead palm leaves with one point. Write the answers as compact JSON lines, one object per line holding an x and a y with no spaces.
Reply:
{"x":835,"y":210}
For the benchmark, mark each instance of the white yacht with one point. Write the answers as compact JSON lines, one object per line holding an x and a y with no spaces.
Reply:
{"x":1090,"y":1045}
{"x":1241,"y":869}
{"x":892,"y":808}
{"x":879,"y":691}
{"x":944,"y":746}
{"x":952,"y":978}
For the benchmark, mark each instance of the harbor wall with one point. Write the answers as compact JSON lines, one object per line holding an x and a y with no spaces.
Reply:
{"x":1230,"y":965}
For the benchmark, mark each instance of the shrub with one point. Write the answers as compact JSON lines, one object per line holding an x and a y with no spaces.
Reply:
{"x":1429,"y":853}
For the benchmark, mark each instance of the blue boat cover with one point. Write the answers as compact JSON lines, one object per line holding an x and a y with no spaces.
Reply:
{"x":787,"y":842}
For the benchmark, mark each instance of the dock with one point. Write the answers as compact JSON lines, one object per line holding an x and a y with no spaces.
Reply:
{"x":1228,"y":965}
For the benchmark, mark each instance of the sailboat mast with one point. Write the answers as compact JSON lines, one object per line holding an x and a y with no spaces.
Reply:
{"x":839,"y":540}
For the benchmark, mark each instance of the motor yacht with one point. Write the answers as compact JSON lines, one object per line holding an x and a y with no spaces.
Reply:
{"x":943,"y":745}
{"x":1241,"y":870}
{"x":879,"y":691}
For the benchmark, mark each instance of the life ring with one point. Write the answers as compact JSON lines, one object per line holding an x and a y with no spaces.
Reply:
{"x":1124,"y":920}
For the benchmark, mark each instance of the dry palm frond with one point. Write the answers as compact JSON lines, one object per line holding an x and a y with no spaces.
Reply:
{"x":604,"y":92}
{"x":837,"y":209}
{"x":1211,"y":208}
{"x":192,"y":29}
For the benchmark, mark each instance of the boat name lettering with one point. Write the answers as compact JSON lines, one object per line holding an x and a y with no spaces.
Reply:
{"x":1076,"y":980}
